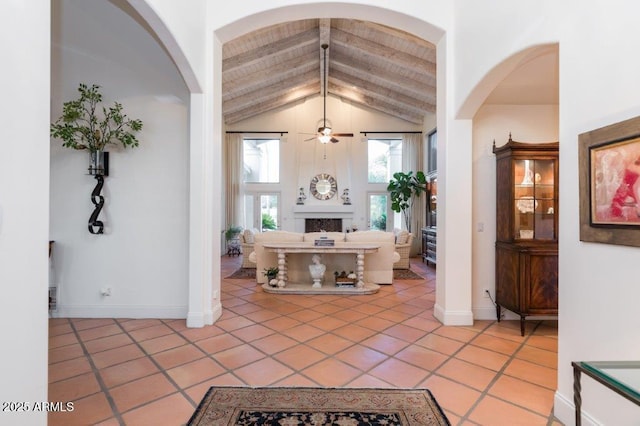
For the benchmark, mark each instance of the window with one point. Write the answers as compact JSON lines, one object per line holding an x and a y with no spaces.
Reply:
{"x":379,"y":211}
{"x":261,"y":160}
{"x":261,"y":211}
{"x":384,"y":159}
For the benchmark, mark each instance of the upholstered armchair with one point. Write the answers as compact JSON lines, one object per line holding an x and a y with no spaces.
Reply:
{"x":403,"y":246}
{"x":247,"y":240}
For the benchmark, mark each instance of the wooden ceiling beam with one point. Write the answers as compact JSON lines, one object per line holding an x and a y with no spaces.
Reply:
{"x":424,"y":87}
{"x":268,"y":76}
{"x":376,"y":91}
{"x":279,"y":48}
{"x":376,"y":104}
{"x":324,"y":26}
{"x":295,"y":94}
{"x":382,"y":52}
{"x":271,"y":91}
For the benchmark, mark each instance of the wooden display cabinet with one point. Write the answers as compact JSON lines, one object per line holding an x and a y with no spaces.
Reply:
{"x":527,"y":229}
{"x":429,"y":233}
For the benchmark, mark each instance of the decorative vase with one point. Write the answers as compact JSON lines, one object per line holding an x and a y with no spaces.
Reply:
{"x":99,"y":161}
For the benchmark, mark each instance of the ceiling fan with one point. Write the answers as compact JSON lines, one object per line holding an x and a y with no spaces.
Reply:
{"x":325,"y":134}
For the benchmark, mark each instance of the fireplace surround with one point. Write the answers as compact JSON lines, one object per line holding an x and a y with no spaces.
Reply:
{"x":323,"y":224}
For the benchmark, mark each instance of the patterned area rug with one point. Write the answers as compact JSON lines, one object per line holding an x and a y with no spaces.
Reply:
{"x":406,"y":274}
{"x":398,"y":274}
{"x":244,"y":273}
{"x":317,"y":406}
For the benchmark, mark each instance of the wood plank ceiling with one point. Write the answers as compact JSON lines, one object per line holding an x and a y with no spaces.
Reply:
{"x":369,"y":64}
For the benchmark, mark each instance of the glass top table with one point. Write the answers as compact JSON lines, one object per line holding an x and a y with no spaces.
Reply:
{"x":622,"y":377}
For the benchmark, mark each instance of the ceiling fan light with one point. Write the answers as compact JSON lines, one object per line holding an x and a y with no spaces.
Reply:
{"x":324,"y":138}
{"x":326,"y":131}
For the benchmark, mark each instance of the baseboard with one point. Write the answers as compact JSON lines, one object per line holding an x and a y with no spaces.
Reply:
{"x":199,"y":320}
{"x":122,"y":311}
{"x":452,"y":317}
{"x":484,"y":313}
{"x":564,"y":410}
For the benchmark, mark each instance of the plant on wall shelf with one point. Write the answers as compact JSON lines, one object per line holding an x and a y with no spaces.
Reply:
{"x":86,"y":124}
{"x":404,"y":188}
{"x":81,"y":127}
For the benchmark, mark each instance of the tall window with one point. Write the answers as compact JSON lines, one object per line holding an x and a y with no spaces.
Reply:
{"x":262,"y":211}
{"x":384,"y":159}
{"x":261,"y":159}
{"x":379,"y":211}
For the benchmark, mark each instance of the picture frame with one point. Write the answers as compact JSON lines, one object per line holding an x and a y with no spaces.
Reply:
{"x":609,"y":184}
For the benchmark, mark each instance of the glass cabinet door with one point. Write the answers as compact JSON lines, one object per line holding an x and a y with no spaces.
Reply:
{"x":534,"y":198}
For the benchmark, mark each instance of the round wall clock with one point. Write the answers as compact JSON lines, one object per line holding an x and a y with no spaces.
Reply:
{"x":323,"y":186}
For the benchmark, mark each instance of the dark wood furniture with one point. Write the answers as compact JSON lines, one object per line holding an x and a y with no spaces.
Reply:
{"x":429,"y":233}
{"x":429,"y":240}
{"x":527,"y":229}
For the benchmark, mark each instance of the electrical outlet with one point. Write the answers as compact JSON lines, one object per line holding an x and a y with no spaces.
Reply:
{"x":486,"y":293}
{"x":105,"y":291}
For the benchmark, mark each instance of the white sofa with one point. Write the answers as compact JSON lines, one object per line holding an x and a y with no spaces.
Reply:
{"x":378,"y":267}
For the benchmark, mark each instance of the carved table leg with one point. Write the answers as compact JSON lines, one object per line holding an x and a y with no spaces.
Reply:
{"x":360,"y":269}
{"x":282,"y":268}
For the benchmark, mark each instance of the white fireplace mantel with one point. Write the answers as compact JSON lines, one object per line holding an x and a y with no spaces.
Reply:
{"x":322,"y":211}
{"x":323,"y":208}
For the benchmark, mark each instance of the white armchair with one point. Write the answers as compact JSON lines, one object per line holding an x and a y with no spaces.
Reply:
{"x":404,"y":240}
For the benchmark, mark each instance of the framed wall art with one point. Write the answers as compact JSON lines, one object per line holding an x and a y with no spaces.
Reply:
{"x":609,"y":167}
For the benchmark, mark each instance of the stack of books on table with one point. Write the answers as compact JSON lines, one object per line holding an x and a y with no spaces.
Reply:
{"x":324,"y":242}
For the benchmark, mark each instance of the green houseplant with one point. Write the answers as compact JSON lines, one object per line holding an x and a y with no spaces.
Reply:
{"x":404,"y":188}
{"x":85,"y":124}
{"x":232,"y":232}
{"x":271,"y":273}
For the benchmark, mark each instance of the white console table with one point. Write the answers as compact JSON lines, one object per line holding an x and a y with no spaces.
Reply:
{"x":283,"y":249}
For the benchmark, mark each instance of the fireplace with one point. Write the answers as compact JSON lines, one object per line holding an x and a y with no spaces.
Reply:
{"x":322,"y":224}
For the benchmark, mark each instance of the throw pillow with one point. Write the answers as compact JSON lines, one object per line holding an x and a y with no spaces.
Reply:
{"x":248,"y":236}
{"x":402,"y":237}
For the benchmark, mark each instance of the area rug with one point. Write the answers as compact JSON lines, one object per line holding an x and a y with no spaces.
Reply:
{"x":244,"y":273}
{"x":406,"y":274}
{"x":317,"y":406}
{"x":398,"y":274}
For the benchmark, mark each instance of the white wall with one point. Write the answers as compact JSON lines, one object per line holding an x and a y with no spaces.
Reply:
{"x":599,"y":289}
{"x":598,"y":296}
{"x":143,"y":255}
{"x":24,"y":201}
{"x":526,"y":123}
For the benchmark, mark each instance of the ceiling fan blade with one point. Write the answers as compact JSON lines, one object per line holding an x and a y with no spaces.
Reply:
{"x":334,"y":140}
{"x":311,"y":139}
{"x":345,"y":135}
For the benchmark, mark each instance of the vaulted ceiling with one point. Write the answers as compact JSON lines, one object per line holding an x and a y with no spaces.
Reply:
{"x":383,"y":68}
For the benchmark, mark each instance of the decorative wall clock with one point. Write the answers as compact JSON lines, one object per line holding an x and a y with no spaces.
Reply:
{"x":323,"y":186}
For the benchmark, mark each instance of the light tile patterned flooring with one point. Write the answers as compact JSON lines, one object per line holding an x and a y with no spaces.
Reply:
{"x":154,"y":372}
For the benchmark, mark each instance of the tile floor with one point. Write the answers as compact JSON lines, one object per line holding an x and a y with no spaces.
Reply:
{"x":154,"y":372}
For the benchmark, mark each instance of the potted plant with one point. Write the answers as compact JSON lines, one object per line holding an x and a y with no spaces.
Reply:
{"x":232,"y":232}
{"x":271,"y":273}
{"x":403,"y":189}
{"x":233,"y":243}
{"x":80,"y":126}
